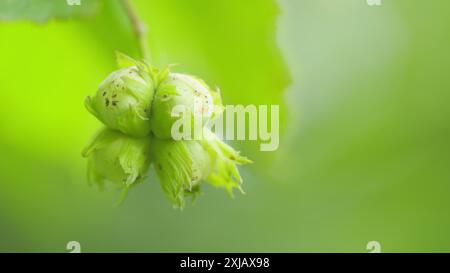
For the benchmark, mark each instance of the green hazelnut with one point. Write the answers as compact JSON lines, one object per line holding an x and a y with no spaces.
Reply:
{"x":124,"y":98}
{"x":180,"y":166}
{"x":198,"y":100}
{"x":117,"y":158}
{"x":183,"y":165}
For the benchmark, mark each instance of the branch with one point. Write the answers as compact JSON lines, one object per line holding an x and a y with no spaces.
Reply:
{"x":139,"y":29}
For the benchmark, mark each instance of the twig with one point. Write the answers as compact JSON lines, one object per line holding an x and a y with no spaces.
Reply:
{"x":139,"y":29}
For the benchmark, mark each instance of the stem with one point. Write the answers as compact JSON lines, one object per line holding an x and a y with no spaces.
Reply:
{"x":139,"y":29}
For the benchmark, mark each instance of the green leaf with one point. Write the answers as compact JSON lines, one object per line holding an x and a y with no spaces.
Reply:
{"x":43,"y":10}
{"x":124,"y":61}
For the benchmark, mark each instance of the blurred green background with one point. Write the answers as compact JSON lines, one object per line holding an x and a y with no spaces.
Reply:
{"x":364,"y":153}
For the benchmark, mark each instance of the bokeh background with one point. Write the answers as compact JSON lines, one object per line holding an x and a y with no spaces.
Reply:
{"x":364,"y":154}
